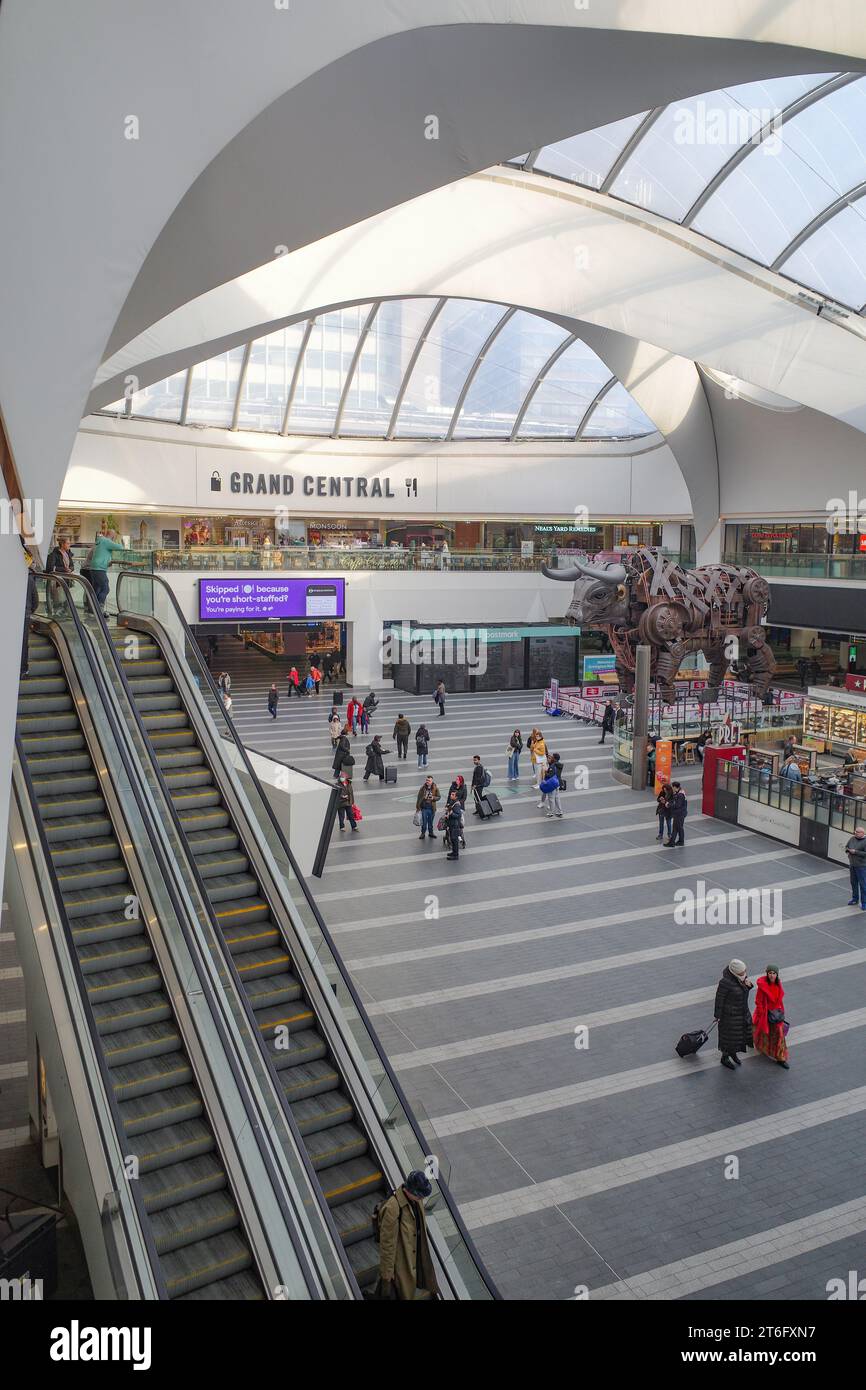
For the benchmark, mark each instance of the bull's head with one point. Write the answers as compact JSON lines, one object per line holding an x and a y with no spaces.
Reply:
{"x":600,"y":592}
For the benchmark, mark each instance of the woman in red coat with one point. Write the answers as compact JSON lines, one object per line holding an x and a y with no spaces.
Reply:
{"x":768,"y":1020}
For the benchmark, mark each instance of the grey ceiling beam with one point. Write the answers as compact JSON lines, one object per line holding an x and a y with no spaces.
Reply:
{"x":410,"y":366}
{"x":843,"y":201}
{"x":629,"y":148}
{"x":242,"y":381}
{"x":184,"y":405}
{"x":353,"y":367}
{"x":596,"y":400}
{"x":793,"y":109}
{"x":473,"y":370}
{"x":540,"y":377}
{"x":296,"y":374}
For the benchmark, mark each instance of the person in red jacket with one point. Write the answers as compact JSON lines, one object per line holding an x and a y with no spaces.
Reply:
{"x":353,"y":711}
{"x":293,"y":678}
{"x":768,"y":1020}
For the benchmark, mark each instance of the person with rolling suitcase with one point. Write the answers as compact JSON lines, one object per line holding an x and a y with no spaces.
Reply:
{"x":375,"y":755}
{"x":732,"y":1013}
{"x":478,"y":783}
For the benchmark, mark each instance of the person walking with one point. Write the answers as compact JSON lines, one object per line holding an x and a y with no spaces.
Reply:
{"x":731,"y":1012}
{"x":402,"y":730}
{"x":105,"y":547}
{"x":665,"y":810}
{"x":406,"y":1270}
{"x":856,"y":852}
{"x":607,"y":721}
{"x":342,"y":756}
{"x":479,"y":782}
{"x":439,"y":696}
{"x":549,"y":788}
{"x":317,"y":677}
{"x":422,"y":744}
{"x":294,"y":681}
{"x":224,"y":681}
{"x":768,"y":1020}
{"x":335,"y":727}
{"x":514,"y":749}
{"x":555,"y":768}
{"x":538,"y":754}
{"x":309,"y":686}
{"x":273,"y":698}
{"x":425,"y":804}
{"x":453,"y":826}
{"x":375,"y":755}
{"x":679,"y":811}
{"x":367,"y":711}
{"x":345,"y":803}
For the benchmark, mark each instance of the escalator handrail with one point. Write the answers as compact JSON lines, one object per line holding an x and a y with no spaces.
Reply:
{"x":90,"y":1021}
{"x":189,"y":939}
{"x":228,"y":960}
{"x":338,"y":959}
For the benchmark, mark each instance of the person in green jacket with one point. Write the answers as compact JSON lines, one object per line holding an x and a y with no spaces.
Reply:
{"x":100,"y":558}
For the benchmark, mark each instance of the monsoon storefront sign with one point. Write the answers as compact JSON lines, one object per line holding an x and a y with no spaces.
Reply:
{"x":245,"y":600}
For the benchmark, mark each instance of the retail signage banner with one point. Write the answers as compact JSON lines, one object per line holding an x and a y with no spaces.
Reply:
{"x":853,"y":682}
{"x":257,"y":484}
{"x":593,"y":666}
{"x":241,"y":600}
{"x":663,"y":763}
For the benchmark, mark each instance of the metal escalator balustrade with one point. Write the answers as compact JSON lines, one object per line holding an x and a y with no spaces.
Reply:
{"x":194,"y":1221}
{"x":351,"y":1177}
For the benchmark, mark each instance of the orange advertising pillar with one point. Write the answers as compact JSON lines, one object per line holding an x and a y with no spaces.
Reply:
{"x":663,"y":763}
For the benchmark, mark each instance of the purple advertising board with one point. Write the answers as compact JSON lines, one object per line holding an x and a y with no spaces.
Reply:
{"x":245,"y":600}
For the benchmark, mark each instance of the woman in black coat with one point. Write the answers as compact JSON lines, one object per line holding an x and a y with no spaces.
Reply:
{"x":733,"y":1013}
{"x":343,"y":751}
{"x":458,"y":786}
{"x":375,"y":764}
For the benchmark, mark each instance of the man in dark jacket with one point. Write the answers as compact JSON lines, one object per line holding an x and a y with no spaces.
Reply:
{"x":856,"y":852}
{"x":453,"y":826}
{"x":345,"y":802}
{"x":375,"y":753}
{"x":607,"y":721}
{"x":477,"y":782}
{"x":679,"y":811}
{"x":731,"y":1010}
{"x":425,"y":804}
{"x":342,"y":755}
{"x":273,"y":698}
{"x":402,"y":730}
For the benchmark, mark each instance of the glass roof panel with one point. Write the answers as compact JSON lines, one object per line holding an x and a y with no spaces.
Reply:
{"x":833,"y":259}
{"x":214,"y":388}
{"x":589,"y":157}
{"x":512,"y":363}
{"x":561,"y":401}
{"x":617,"y":415}
{"x":326,"y":362}
{"x":269,"y":376}
{"x":384,"y":359}
{"x":162,"y":401}
{"x":443,"y":365}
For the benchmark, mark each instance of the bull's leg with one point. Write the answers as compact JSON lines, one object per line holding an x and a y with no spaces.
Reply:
{"x":625,"y":678}
{"x":762,"y":664}
{"x":718,"y":662}
{"x":666,"y":668}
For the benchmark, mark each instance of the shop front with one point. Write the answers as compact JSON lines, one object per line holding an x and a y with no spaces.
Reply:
{"x":480,"y":658}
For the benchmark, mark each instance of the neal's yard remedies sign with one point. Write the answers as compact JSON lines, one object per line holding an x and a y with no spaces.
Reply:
{"x":244,"y":600}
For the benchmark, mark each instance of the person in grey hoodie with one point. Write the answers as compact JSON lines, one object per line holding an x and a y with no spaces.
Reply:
{"x":856,"y":852}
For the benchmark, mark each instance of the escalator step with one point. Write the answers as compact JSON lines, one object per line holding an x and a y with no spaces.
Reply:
{"x":197,"y":1266}
{"x":135,"y":1044}
{"x":364,"y":1259}
{"x":107,"y":985}
{"x":273,"y":991}
{"x":171,"y":738}
{"x":220,"y":841}
{"x":72,"y":782}
{"x":83,"y":903}
{"x":322,"y":1112}
{"x":243,"y":939}
{"x":206,"y":819}
{"x":51,"y":743}
{"x":269,"y":1019}
{"x":175,"y":1228}
{"x":69,"y":760}
{"x":31,"y":725}
{"x":91,"y":875}
{"x":229,"y":887}
{"x":180,"y":757}
{"x":42,"y":702}
{"x":166,"y":720}
{"x":300,"y":1080}
{"x":103,"y":926}
{"x":238,"y":1288}
{"x":335,"y":1146}
{"x":100,"y":956}
{"x":153,"y":702}
{"x":182,"y":1182}
{"x":61,"y":805}
{"x":133,"y":1011}
{"x":67,"y":828}
{"x":171,"y":1148}
{"x":147,"y":1113}
{"x":148,"y":685}
{"x":187,"y":777}
{"x":349,"y":1182}
{"x":195,"y":798}
{"x":217,"y":863}
{"x":158,"y":1073}
{"x":354,"y":1220}
{"x":85,"y":850}
{"x":256,"y":964}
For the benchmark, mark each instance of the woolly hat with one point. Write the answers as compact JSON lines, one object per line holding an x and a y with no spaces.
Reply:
{"x":738,"y":968}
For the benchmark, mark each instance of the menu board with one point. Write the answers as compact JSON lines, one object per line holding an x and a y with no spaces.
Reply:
{"x":816,"y":720}
{"x":844,"y":727}
{"x":861,"y":727}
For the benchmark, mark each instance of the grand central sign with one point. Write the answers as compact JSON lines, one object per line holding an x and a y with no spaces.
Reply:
{"x":403,"y":486}
{"x":311,"y":485}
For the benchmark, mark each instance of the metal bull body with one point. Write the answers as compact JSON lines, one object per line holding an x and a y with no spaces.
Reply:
{"x":648,"y":599}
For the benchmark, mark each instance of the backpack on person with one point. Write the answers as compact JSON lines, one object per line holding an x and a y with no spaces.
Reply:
{"x":487,"y":778}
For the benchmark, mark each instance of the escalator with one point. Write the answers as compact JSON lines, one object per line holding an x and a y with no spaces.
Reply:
{"x":194,"y":1223}
{"x":348,"y":1170}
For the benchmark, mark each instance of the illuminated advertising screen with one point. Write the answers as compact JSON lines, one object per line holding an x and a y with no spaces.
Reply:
{"x":247,"y":600}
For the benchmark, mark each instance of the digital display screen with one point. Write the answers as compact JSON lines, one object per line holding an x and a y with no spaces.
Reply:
{"x":242,"y":600}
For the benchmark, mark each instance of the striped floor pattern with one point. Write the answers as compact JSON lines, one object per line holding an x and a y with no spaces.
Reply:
{"x":530,"y":997}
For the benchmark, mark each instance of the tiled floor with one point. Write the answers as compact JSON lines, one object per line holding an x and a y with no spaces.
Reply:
{"x":611,"y":1166}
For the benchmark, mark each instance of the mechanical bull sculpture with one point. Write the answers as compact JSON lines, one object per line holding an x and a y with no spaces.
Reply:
{"x":647,"y":598}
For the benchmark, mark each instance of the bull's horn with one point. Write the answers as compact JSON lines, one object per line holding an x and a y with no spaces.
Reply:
{"x":607,"y":574}
{"x":570,"y":574}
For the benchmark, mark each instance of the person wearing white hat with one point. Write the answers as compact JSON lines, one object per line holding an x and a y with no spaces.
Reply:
{"x":731,"y":1012}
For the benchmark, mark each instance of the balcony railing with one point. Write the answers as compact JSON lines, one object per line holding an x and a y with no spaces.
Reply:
{"x":804,"y":565}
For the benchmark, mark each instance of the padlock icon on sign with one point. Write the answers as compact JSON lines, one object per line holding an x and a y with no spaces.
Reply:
{"x":215,"y":482}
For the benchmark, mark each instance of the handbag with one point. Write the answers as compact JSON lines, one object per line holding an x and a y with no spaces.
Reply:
{"x":440,"y":824}
{"x":416,"y":819}
{"x":775,"y":1015}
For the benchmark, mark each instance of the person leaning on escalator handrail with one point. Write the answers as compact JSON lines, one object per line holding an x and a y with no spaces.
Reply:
{"x":406,"y":1270}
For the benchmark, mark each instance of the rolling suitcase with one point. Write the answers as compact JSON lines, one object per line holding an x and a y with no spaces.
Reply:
{"x":493,"y":803}
{"x":337,"y":697}
{"x":484,"y":810}
{"x":690,"y":1043}
{"x":390,"y":774}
